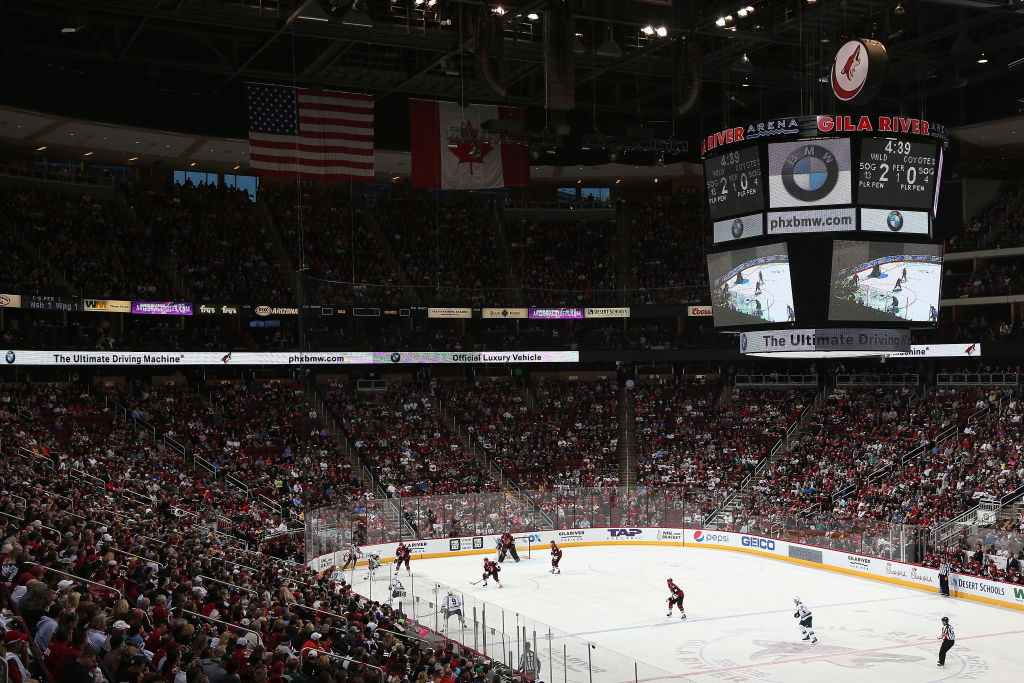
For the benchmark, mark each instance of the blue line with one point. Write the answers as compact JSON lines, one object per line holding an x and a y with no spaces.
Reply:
{"x":734,"y":616}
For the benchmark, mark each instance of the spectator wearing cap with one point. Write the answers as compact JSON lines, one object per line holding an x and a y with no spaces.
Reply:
{"x":118,"y":629}
{"x":241,"y":654}
{"x":312,"y":644}
{"x":16,"y":644}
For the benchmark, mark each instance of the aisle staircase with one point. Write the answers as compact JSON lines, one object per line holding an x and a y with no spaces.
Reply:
{"x":465,"y":438}
{"x":627,"y":450}
{"x":783,"y":447}
{"x":513,"y":277}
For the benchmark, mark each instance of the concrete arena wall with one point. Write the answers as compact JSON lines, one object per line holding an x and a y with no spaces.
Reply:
{"x":865,"y":566}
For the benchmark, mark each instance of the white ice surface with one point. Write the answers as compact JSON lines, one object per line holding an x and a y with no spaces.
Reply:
{"x":740,"y":624}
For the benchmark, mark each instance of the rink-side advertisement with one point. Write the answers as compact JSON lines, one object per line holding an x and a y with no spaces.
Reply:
{"x":867,"y":566}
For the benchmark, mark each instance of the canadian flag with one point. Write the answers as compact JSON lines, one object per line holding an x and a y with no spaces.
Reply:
{"x":451,"y":150}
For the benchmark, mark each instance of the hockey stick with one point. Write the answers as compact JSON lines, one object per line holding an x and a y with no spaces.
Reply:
{"x":473,"y":583}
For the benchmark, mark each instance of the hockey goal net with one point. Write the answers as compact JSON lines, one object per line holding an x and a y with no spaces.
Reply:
{"x":523,"y":547}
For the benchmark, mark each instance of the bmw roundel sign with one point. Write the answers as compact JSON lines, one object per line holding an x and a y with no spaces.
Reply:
{"x":858,"y":71}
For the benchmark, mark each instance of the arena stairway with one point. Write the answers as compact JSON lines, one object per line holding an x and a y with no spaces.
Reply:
{"x":513,"y":276}
{"x":724,"y":514}
{"x":484,"y":458}
{"x":312,"y":397}
{"x":370,"y":222}
{"x":627,"y":450}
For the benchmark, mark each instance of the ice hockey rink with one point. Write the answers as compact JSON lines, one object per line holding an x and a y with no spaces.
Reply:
{"x":775,"y":293}
{"x":740,"y":624}
{"x":917,"y":293}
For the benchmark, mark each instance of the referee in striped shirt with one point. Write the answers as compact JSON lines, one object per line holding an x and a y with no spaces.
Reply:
{"x":948,"y":637}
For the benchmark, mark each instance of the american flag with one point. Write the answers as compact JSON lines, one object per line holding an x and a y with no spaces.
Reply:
{"x":324,"y":135}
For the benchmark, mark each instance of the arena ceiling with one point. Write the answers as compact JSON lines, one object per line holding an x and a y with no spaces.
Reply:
{"x":181,"y":64}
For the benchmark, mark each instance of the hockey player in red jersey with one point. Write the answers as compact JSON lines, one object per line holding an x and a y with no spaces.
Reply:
{"x":507,"y":544}
{"x":402,"y":554}
{"x":676,"y":598}
{"x":556,"y":556}
{"x":491,"y":569}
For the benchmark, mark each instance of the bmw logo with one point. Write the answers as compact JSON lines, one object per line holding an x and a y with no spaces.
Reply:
{"x":396,"y":357}
{"x":743,"y":342}
{"x":9,"y":357}
{"x":737,"y":228}
{"x":895,"y":221}
{"x":810,"y":173}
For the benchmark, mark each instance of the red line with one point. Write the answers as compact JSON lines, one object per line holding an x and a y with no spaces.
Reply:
{"x":818,"y":657}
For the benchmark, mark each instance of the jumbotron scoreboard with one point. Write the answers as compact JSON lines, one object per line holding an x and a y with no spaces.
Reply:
{"x":824,"y":221}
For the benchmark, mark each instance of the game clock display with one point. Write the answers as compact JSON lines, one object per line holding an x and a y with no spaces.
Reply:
{"x":897,"y":173}
{"x":734,"y":183}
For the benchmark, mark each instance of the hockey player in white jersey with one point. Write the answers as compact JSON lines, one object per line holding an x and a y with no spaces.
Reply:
{"x":804,"y":615}
{"x":373,"y":566}
{"x":397,"y":589}
{"x":451,"y":605}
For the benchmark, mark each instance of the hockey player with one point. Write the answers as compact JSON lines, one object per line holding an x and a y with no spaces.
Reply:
{"x":556,"y":557}
{"x":351,"y":557}
{"x":402,"y":554}
{"x":676,"y":598}
{"x":452,"y":607}
{"x":904,"y":275}
{"x":804,"y":615}
{"x":790,"y":314}
{"x":757,"y":288}
{"x":507,"y":544}
{"x":898,"y":287}
{"x":491,"y":569}
{"x":374,"y":565}
{"x":760,"y":278}
{"x":397,"y":589}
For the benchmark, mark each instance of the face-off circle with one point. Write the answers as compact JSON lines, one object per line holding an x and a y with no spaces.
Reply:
{"x":810,"y":173}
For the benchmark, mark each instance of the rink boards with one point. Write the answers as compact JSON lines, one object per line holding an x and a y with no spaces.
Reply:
{"x":870,"y":567}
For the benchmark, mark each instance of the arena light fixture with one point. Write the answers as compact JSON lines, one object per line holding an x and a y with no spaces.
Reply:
{"x":533,"y":16}
{"x":499,"y":10}
{"x":87,"y":154}
{"x":648,"y":30}
{"x":720,"y":22}
{"x":40,"y":148}
{"x":136,"y":159}
{"x":661,"y":31}
{"x":982,"y":59}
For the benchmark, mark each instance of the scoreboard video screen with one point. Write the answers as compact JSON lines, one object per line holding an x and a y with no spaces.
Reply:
{"x":885,"y":281}
{"x":898,"y":173}
{"x":809,"y":173}
{"x":733,"y":183}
